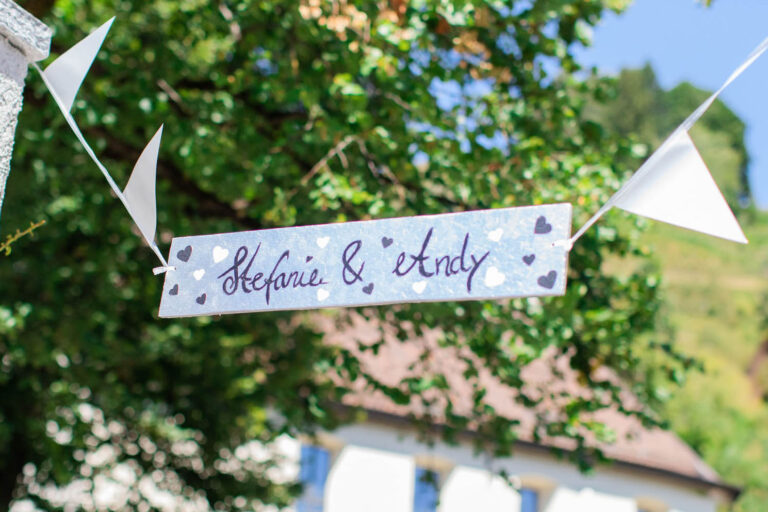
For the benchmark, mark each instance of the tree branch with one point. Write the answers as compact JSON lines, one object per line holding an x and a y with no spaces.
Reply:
{"x":10,"y":239}
{"x":336,"y":150}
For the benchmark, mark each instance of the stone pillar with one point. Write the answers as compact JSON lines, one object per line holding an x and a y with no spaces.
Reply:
{"x":23,"y":39}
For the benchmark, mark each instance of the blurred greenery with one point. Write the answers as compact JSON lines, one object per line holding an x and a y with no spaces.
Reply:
{"x":640,"y":108}
{"x":714,"y":296}
{"x":253,"y":94}
{"x":714,"y":290}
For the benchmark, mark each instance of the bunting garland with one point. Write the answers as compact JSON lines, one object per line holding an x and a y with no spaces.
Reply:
{"x":63,"y":78}
{"x":511,"y":252}
{"x":65,"y":75}
{"x":140,"y":191}
{"x":677,"y":188}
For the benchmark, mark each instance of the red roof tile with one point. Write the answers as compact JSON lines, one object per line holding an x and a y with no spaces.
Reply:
{"x":635,"y":444}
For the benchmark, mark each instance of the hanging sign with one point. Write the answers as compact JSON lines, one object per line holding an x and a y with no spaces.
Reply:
{"x":488,"y":254}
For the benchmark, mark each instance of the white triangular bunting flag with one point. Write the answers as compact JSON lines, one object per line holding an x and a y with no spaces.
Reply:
{"x":140,"y":191}
{"x":66,"y":74}
{"x":676,"y":187}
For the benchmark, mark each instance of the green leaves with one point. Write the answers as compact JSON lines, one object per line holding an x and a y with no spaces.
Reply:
{"x":294,"y":113}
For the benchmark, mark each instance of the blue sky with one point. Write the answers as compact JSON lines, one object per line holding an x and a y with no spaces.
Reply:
{"x":685,"y":41}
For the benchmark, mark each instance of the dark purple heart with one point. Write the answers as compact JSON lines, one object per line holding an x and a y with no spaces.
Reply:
{"x":309,"y":258}
{"x":528,"y":260}
{"x":184,"y":255}
{"x":386,"y":242}
{"x":201,"y":299}
{"x":368,"y":289}
{"x":174,"y":290}
{"x":542,"y":227}
{"x":548,"y":281}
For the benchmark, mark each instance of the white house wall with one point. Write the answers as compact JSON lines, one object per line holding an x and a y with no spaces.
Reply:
{"x":474,"y":489}
{"x":373,"y":471}
{"x":362,"y":479}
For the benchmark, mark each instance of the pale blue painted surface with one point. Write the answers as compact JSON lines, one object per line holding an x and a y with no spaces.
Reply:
{"x":486,"y":254}
{"x":529,"y":500}
{"x":425,"y":491}
{"x":313,"y":472}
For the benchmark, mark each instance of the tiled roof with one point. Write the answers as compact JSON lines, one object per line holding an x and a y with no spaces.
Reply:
{"x":636,"y":445}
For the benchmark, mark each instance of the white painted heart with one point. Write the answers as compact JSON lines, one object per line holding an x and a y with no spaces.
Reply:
{"x":419,"y":286}
{"x":493,"y":277}
{"x":219,"y":253}
{"x":323,"y":241}
{"x":198,"y":274}
{"x":322,"y":294}
{"x":495,"y":235}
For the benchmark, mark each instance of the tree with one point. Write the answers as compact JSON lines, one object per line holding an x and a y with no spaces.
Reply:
{"x":254,"y":95}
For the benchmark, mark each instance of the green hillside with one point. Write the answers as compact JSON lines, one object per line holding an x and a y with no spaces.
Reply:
{"x":715,"y":291}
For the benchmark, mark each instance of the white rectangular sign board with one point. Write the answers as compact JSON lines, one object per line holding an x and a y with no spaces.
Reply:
{"x":486,"y":254}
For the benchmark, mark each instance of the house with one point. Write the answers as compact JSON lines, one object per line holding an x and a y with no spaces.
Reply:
{"x":383,"y":465}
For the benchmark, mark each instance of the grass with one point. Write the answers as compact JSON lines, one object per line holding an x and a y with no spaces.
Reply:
{"x":715,"y":294}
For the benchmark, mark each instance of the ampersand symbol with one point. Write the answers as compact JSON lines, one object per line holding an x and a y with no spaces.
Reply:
{"x":349,"y":274}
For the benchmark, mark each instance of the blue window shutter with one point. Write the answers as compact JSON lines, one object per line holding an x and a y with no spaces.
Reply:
{"x":529,"y":500}
{"x":313,"y":472}
{"x":425,"y":491}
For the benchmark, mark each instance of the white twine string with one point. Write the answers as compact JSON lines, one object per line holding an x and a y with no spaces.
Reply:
{"x":72,"y":124}
{"x":684,"y":126}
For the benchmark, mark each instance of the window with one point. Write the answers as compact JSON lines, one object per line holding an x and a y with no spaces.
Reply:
{"x":529,"y":500}
{"x":313,"y":472}
{"x":425,"y":490}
